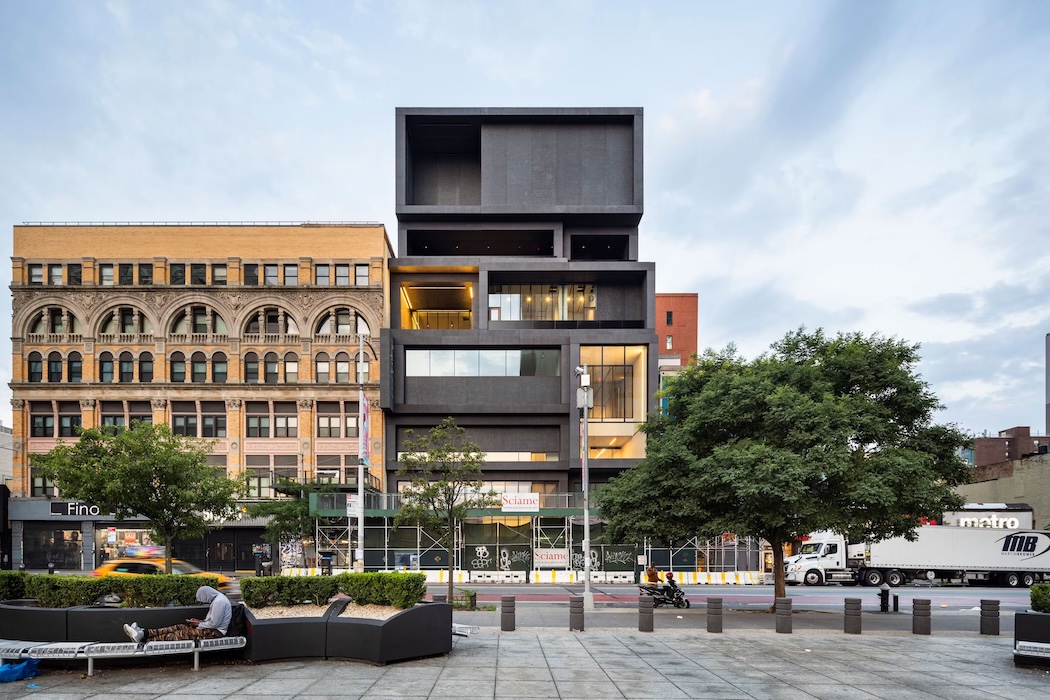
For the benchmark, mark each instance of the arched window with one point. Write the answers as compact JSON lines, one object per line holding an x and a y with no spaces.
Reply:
{"x":291,"y":368}
{"x":198,"y":367}
{"x":74,"y":368}
{"x":54,"y":320}
{"x":125,"y":320}
{"x":322,"y":373}
{"x":105,"y":368}
{"x":198,"y":320}
{"x":342,"y":368}
{"x":54,"y":367}
{"x":271,"y":368}
{"x":145,"y":368}
{"x":251,"y":368}
{"x":342,"y":321}
{"x":271,"y":320}
{"x":36,"y":367}
{"x":127,"y":367}
{"x":218,"y":368}
{"x":178,"y":367}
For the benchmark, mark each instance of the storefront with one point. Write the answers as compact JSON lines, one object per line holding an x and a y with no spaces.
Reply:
{"x":73,"y":536}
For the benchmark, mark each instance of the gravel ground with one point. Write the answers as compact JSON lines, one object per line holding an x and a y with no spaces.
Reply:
{"x":372,"y":612}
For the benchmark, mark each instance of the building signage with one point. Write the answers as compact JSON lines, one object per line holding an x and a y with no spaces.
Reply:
{"x":521,"y":503}
{"x":74,"y":508}
{"x":551,"y":558}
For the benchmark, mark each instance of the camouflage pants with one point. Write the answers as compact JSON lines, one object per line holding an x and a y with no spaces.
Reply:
{"x":177,"y":633}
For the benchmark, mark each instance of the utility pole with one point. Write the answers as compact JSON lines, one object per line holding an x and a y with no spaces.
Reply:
{"x":584,"y":400}
{"x":363,"y":438}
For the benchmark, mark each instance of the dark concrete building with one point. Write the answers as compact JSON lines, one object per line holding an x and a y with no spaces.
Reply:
{"x":517,"y":262}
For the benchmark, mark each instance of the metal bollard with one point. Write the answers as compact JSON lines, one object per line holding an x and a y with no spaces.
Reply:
{"x":851,"y":623}
{"x":714,"y":615}
{"x":783,"y":607}
{"x":51,"y":567}
{"x":645,"y":613}
{"x":884,"y":597}
{"x":990,"y":617}
{"x":896,"y":603}
{"x":441,"y":597}
{"x":920,"y":616}
{"x":576,"y":613}
{"x":506,"y":613}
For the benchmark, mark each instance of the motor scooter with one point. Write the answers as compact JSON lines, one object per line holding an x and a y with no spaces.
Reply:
{"x":671,"y":594}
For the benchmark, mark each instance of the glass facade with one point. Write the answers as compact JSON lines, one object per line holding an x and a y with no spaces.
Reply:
{"x":483,"y":363}
{"x":543,"y":302}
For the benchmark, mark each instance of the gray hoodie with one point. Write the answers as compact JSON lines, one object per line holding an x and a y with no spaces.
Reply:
{"x":219,"y":609}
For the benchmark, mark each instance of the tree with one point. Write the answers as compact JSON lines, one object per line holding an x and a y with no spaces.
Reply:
{"x":445,"y":472}
{"x":146,"y":470}
{"x":289,"y":518}
{"x":819,"y":434}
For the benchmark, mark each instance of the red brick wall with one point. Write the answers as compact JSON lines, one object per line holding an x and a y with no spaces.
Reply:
{"x":684,"y":326}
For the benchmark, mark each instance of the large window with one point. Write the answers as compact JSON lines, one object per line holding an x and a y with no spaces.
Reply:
{"x":218,"y":368}
{"x":251,"y":274}
{"x":618,"y":380}
{"x":218,"y":274}
{"x":178,"y":367}
{"x":146,"y":367}
{"x":198,"y":273}
{"x":483,"y":363}
{"x":213,"y":419}
{"x":322,"y":275}
{"x":68,"y":418}
{"x":105,"y":367}
{"x":257,"y":419}
{"x":54,"y":274}
{"x":127,"y":274}
{"x":74,"y":368}
{"x":251,"y":368}
{"x":178,"y":273}
{"x":291,"y":275}
{"x":105,"y":274}
{"x":41,"y":419}
{"x":337,"y":419}
{"x":184,"y":418}
{"x":36,"y":274}
{"x":74,"y":274}
{"x":361,"y":275}
{"x":145,"y":273}
{"x":127,"y":367}
{"x":54,"y":367}
{"x":36,"y":367}
{"x":342,"y":275}
{"x":271,"y":273}
{"x":543,"y":302}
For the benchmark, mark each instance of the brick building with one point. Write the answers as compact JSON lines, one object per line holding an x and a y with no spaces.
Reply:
{"x":247,"y":335}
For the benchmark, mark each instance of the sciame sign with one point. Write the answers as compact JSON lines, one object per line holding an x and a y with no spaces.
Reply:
{"x":521,"y":503}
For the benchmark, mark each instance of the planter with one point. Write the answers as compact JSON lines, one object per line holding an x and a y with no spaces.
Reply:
{"x":25,"y":620}
{"x":284,"y":637}
{"x":1032,"y":639}
{"x":418,"y":632}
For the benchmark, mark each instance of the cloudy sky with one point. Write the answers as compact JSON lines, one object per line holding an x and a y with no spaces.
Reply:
{"x":870,"y":166}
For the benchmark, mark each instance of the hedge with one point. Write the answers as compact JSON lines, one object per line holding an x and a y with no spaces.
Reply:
{"x":13,"y":584}
{"x":153,"y":591}
{"x":399,"y":590}
{"x":1041,"y":597}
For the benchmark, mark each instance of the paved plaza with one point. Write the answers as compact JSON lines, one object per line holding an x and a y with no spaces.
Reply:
{"x":609,"y":660}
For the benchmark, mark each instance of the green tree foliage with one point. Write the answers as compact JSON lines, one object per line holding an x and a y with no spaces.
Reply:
{"x":445,"y":472}
{"x":146,"y":470}
{"x":289,"y":517}
{"x":818,"y":434}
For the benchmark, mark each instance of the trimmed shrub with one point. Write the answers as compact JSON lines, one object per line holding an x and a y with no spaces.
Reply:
{"x":13,"y":585}
{"x":288,"y":590}
{"x":1041,"y":597}
{"x":135,"y":591}
{"x":399,"y":590}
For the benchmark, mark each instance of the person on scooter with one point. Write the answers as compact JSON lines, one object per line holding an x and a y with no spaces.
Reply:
{"x":652,"y":576}
{"x":668,"y":590}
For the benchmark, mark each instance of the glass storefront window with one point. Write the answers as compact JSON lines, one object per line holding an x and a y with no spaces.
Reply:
{"x":56,"y":543}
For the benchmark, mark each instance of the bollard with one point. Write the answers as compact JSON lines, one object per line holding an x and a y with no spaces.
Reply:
{"x":896,"y":603}
{"x":51,"y":567}
{"x":441,"y":597}
{"x":990,"y":617}
{"x":783,"y":608}
{"x":506,"y":614}
{"x":645,"y":613}
{"x":714,"y":615}
{"x":920,"y":616}
{"x":852,"y":620}
{"x":576,"y":613}
{"x":884,"y":597}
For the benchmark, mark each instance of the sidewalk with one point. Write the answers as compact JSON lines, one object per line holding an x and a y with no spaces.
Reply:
{"x":606,"y":661}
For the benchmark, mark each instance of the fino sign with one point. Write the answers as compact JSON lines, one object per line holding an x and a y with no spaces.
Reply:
{"x":75,"y":508}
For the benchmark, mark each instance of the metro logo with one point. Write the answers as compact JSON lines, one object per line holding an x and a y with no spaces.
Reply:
{"x":1024,"y":543}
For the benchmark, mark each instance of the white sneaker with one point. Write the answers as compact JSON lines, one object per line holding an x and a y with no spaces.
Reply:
{"x":134,"y":632}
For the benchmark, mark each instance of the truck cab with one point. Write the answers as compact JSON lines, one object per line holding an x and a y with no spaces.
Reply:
{"x":821,"y":559}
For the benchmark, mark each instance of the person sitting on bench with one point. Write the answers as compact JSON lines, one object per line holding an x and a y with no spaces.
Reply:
{"x":213,"y":626}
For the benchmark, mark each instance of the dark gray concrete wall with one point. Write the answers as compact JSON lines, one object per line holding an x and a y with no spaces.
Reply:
{"x":536,"y":166}
{"x":451,"y":180}
{"x":502,"y":438}
{"x":499,"y":393}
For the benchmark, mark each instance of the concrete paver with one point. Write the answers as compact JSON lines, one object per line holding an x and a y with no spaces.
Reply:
{"x":543,"y":659}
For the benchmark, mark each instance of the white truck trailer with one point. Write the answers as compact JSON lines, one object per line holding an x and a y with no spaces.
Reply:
{"x":972,"y":554}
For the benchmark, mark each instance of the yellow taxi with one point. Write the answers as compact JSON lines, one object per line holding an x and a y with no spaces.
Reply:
{"x":145,"y":562}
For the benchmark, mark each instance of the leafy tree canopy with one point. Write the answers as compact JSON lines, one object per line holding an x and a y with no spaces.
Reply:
{"x":445,"y":472}
{"x":289,"y":517}
{"x":820,"y":433}
{"x":146,"y":470}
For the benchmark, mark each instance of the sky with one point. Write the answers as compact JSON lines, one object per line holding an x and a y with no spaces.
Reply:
{"x":881,"y":167}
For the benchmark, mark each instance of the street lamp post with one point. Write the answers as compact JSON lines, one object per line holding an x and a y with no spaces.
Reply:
{"x":363,"y":439}
{"x":583,"y":400}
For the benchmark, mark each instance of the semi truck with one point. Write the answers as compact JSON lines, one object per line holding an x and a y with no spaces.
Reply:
{"x":974,"y":555}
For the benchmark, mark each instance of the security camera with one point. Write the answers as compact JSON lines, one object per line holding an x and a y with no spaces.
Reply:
{"x":579,"y":371}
